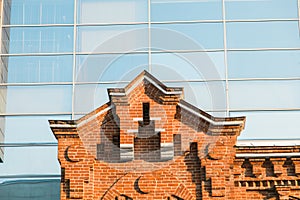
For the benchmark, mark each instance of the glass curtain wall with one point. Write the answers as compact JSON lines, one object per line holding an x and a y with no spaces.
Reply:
{"x":232,"y":57}
{"x":37,"y":46}
{"x":263,"y":66}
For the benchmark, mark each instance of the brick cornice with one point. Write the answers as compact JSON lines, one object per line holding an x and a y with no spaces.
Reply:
{"x":64,"y":128}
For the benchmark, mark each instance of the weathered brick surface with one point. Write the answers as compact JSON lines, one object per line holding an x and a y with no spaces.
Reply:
{"x":180,"y":152}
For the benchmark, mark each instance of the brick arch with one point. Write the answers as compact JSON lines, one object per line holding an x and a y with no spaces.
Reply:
{"x":183,"y":192}
{"x":111,"y":194}
{"x":169,"y":186}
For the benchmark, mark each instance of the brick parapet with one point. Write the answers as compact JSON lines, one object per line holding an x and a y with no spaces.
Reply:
{"x":267,"y":168}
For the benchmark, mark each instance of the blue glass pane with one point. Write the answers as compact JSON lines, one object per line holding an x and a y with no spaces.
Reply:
{"x":112,"y":38}
{"x":261,"y":9}
{"x":193,"y":36}
{"x":38,"y":99}
{"x":188,"y":66}
{"x":178,"y":10}
{"x":40,"y":39}
{"x":264,"y":64}
{"x":270,"y":125}
{"x":112,"y":11}
{"x":263,"y":35}
{"x":110,"y":67}
{"x":30,"y":128}
{"x":264,"y":94}
{"x":30,"y":160}
{"x":40,"y":12}
{"x":91,"y":96}
{"x":32,"y":69}
{"x":208,"y":96}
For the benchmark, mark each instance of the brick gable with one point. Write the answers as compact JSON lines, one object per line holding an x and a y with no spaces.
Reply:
{"x":148,"y":143}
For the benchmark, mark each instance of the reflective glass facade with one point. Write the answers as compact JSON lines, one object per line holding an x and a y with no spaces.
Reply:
{"x":234,"y":57}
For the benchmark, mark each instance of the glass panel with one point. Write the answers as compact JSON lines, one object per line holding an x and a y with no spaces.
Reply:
{"x":32,"y":69}
{"x":264,"y":64}
{"x":264,"y":94}
{"x":40,"y":39}
{"x":30,"y":160}
{"x":208,"y":96}
{"x":91,"y":96}
{"x":262,"y":9}
{"x":270,"y":125}
{"x":30,"y":128}
{"x":38,"y":99}
{"x":188,"y":66}
{"x":112,"y":11}
{"x":40,"y":12}
{"x":112,"y":38}
{"x":263,"y":35}
{"x":218,"y":114}
{"x":110,"y":67}
{"x":193,"y":36}
{"x":177,"y":10}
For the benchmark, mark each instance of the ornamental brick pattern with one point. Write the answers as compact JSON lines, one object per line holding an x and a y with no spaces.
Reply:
{"x":148,"y":143}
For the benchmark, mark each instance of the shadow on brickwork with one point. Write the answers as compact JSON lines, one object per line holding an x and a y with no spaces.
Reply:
{"x":109,"y":148}
{"x":193,"y":164}
{"x":147,"y":143}
{"x":248,"y":168}
{"x":269,"y":194}
{"x":290,"y":167}
{"x":196,"y":123}
{"x":268,"y":165}
{"x":153,"y":93}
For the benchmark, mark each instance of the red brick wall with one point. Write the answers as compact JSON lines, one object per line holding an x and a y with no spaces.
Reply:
{"x":183,"y":153}
{"x":274,"y":177}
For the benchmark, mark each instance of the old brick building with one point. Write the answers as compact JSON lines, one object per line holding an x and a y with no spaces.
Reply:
{"x":148,"y":143}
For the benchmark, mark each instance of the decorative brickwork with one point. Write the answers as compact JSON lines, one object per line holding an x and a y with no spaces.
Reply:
{"x":148,"y":143}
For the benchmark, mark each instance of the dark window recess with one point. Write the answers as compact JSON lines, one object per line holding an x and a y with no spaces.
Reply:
{"x":146,"y":113}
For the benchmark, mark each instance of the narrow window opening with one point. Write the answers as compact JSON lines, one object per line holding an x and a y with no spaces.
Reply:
{"x":146,"y":113}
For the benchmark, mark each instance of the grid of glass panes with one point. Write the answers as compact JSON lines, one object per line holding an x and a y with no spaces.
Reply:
{"x":232,"y":57}
{"x":37,"y":50}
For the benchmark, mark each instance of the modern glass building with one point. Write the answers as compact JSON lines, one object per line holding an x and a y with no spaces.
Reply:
{"x":234,"y":58}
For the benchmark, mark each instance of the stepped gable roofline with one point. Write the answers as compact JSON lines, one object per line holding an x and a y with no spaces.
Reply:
{"x":168,"y":91}
{"x":145,"y":76}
